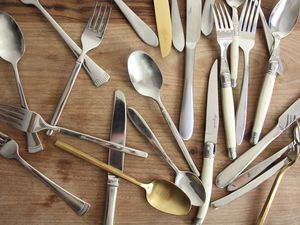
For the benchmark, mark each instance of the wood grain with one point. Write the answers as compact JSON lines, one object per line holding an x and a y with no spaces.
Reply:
{"x":44,"y":70}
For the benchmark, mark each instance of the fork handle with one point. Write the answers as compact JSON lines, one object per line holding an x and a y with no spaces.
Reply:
{"x":234,"y":60}
{"x":77,"y":204}
{"x":64,"y":98}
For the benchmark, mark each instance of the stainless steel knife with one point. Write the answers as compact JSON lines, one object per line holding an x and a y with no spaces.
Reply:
{"x":115,"y":159}
{"x":231,"y":172}
{"x":211,"y":137}
{"x":193,"y":32}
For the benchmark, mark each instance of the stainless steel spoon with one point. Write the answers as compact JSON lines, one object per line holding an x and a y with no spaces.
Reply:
{"x":185,"y":180}
{"x":12,"y":48}
{"x":147,"y":79}
{"x":282,"y":21}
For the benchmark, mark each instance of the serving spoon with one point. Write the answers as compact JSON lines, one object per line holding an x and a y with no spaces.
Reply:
{"x":160,"y":194}
{"x":185,"y":180}
{"x":147,"y":80}
{"x":12,"y":48}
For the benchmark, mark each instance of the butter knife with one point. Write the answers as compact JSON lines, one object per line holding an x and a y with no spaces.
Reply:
{"x":193,"y":33}
{"x":233,"y":170}
{"x":207,"y":20}
{"x":115,"y":158}
{"x":177,"y":29}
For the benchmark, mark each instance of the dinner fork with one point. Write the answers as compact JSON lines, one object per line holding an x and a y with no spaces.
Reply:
{"x":248,"y":24}
{"x":91,"y":38}
{"x":9,"y":149}
{"x":31,"y":122}
{"x":225,"y":33}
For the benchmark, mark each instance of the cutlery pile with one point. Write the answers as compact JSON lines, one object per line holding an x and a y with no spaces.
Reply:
{"x":190,"y":188}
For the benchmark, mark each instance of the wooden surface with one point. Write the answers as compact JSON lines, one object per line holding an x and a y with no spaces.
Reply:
{"x":44,"y":70}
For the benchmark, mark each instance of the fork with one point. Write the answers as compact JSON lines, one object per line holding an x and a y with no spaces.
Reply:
{"x":9,"y":149}
{"x":31,"y":122}
{"x":225,"y":34}
{"x":91,"y":37}
{"x":248,"y":24}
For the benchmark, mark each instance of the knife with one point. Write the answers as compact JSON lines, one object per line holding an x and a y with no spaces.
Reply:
{"x":140,"y":27}
{"x":211,"y":136}
{"x":193,"y":32}
{"x":164,"y":25}
{"x":231,"y":172}
{"x":115,"y":159}
{"x":207,"y":23}
{"x":177,"y":29}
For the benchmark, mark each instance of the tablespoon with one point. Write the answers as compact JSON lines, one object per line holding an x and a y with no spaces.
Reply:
{"x":12,"y":48}
{"x":147,"y":80}
{"x":185,"y":180}
{"x":162,"y":195}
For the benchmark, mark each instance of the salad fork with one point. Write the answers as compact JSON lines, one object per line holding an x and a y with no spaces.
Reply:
{"x":9,"y":149}
{"x":31,"y":122}
{"x":225,"y":33}
{"x":91,"y":38}
{"x":248,"y":24}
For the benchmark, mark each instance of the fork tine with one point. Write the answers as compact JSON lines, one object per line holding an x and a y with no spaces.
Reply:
{"x":228,"y":17}
{"x":104,"y":22}
{"x":16,"y":110}
{"x":256,"y":16}
{"x":11,"y":121}
{"x":246,"y":21}
{"x":226,"y":25}
{"x":215,"y":17}
{"x":242,"y":18}
{"x":96,"y":21}
{"x":250,"y":23}
{"x":220,"y":18}
{"x":89,"y":24}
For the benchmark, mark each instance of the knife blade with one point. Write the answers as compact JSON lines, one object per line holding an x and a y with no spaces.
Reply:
{"x":207,"y":22}
{"x":115,"y":158}
{"x":193,"y":33}
{"x":233,"y":170}
{"x":211,"y":136}
{"x":164,"y":25}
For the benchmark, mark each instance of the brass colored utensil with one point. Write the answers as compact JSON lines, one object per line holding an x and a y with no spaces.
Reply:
{"x":162,"y":195}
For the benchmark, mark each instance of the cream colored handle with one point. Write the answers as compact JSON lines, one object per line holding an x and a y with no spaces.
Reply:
{"x":263,"y":105}
{"x":234,"y":60}
{"x":229,"y":121}
{"x":76,"y":152}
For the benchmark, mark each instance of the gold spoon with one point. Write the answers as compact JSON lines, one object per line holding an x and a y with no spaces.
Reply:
{"x":162,"y":195}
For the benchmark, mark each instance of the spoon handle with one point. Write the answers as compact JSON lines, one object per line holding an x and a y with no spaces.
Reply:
{"x":234,"y":48}
{"x":76,"y":152}
{"x":77,"y":204}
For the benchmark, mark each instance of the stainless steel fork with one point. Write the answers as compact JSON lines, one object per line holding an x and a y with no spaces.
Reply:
{"x":90,"y":39}
{"x":31,"y":122}
{"x":248,"y":24}
{"x":225,"y":34}
{"x":9,"y":149}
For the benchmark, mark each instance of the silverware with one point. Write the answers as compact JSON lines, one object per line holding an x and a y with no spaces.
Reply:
{"x":193,"y":33}
{"x":185,"y":180}
{"x":177,"y":29}
{"x":97,"y":74}
{"x":231,"y":172}
{"x":115,"y":158}
{"x":210,"y":140}
{"x":147,"y":80}
{"x":283,"y":19}
{"x":248,"y":24}
{"x":28,"y":121}
{"x":12,"y":50}
{"x":161,"y":194}
{"x":225,"y":33}
{"x":207,"y":20}
{"x":91,"y":38}
{"x":140,"y":27}
{"x":9,"y":149}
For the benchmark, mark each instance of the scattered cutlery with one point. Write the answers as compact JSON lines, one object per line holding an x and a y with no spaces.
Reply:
{"x":177,"y":29}
{"x":147,"y":80}
{"x":283,"y":19}
{"x":207,"y":20}
{"x":185,"y":180}
{"x":161,"y":194}
{"x":12,"y":48}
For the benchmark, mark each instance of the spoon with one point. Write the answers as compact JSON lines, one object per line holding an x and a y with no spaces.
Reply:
{"x":160,"y":194}
{"x":12,"y":48}
{"x":147,"y":79}
{"x":185,"y":180}
{"x":282,"y":21}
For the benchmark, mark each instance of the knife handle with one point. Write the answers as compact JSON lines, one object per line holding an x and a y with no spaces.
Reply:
{"x":111,"y":199}
{"x":186,"y":123}
{"x":234,"y":60}
{"x":263,"y":105}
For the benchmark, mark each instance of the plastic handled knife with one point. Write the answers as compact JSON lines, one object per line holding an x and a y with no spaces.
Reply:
{"x":193,"y":33}
{"x":164,"y":25}
{"x":211,"y":137}
{"x":231,"y":172}
{"x":207,"y":20}
{"x":115,"y":159}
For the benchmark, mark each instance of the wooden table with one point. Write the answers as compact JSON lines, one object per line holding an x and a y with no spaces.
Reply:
{"x":44,"y":70}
